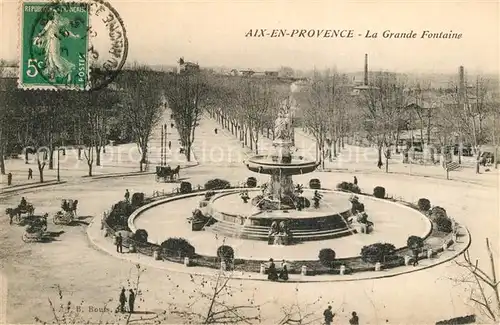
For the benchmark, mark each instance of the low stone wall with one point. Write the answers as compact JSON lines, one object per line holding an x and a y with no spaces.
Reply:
{"x":311,"y":267}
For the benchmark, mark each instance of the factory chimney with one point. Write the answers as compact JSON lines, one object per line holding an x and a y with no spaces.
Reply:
{"x":366,"y":70}
{"x":461,"y":85}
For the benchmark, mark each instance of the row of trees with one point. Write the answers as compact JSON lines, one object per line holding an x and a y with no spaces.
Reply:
{"x":39,"y":122}
{"x":389,"y":104}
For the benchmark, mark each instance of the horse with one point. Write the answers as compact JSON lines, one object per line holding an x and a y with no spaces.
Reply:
{"x":175,"y":172}
{"x":74,"y":206}
{"x":13,"y":213}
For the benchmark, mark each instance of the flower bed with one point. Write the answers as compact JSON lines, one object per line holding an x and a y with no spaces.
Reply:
{"x":314,"y":267}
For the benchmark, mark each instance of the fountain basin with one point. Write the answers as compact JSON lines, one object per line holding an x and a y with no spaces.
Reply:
{"x":265,"y":165}
{"x":243,"y":220}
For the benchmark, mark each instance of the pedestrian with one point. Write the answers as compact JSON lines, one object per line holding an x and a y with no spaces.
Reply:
{"x":272,"y":274}
{"x":328,"y":314}
{"x":9,"y":179}
{"x":123,"y":300}
{"x":169,"y":145}
{"x":119,"y":243}
{"x":215,"y":130}
{"x":355,"y":180}
{"x":127,"y":196}
{"x":131,"y":299}
{"x":171,"y":125}
{"x":415,"y":257}
{"x":30,"y":173}
{"x":354,"y":319}
{"x":284,"y":272}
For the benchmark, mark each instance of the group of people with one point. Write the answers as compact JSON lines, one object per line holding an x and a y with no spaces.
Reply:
{"x":274,"y":275}
{"x":328,"y":315}
{"x":123,"y":301}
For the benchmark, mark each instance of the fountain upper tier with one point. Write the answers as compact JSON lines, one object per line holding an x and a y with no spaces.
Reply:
{"x":270,"y":165}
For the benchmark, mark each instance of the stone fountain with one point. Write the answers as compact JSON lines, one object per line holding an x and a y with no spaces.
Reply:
{"x":278,"y":202}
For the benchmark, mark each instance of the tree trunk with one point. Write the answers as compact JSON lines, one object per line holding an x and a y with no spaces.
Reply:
{"x":342,"y":139}
{"x":387,"y":160}
{"x":41,"y":166}
{"x":98,"y":155}
{"x":90,"y":168}
{"x":334,"y":147}
{"x":2,"y":161}
{"x":379,"y":155}
{"x":51,"y":157}
{"x":188,"y":152}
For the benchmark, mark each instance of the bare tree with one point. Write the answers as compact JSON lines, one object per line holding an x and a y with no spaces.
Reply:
{"x":314,"y":101}
{"x":383,"y":102}
{"x":484,"y":285}
{"x":187,"y":95}
{"x":211,"y":302}
{"x":143,"y":107}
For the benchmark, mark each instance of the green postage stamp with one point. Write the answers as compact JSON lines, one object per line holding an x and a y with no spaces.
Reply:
{"x":54,"y":45}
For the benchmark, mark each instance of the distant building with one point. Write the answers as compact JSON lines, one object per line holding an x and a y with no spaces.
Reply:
{"x":187,"y":67}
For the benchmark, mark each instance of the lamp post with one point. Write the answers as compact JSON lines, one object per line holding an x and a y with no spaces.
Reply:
{"x":58,"y":159}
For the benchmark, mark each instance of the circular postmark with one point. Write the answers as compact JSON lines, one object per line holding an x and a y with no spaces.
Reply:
{"x":75,"y":45}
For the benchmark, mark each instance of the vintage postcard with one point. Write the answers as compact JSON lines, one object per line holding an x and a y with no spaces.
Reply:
{"x":249,"y":162}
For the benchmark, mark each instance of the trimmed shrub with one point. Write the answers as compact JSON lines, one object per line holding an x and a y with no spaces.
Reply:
{"x":141,"y":236}
{"x":379,"y":192}
{"x":414,"y":242}
{"x":444,"y":224}
{"x":137,"y":199}
{"x":225,"y":253}
{"x":327,"y":257}
{"x":217,"y":184}
{"x":349,"y":187}
{"x":177,"y":246}
{"x":251,"y":182}
{"x":186,"y":188}
{"x":437,"y":212}
{"x":315,"y":184}
{"x":377,"y":252}
{"x":424,"y":204}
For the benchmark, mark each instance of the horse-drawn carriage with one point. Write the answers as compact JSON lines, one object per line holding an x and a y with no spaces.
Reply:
{"x":166,"y":173}
{"x":67,"y":214}
{"x":35,"y":230}
{"x":21,"y":213}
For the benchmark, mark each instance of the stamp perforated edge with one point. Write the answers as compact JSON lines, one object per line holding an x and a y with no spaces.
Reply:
{"x":20,"y":21}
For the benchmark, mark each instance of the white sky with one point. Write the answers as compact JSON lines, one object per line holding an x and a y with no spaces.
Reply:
{"x":212,"y":34}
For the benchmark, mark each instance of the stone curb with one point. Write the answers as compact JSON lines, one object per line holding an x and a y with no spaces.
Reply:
{"x":149,"y":261}
{"x":19,"y":188}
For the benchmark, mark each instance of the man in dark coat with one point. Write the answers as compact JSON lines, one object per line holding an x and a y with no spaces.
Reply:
{"x":127,"y":195}
{"x":272,"y":274}
{"x":123,"y":300}
{"x":328,"y":314}
{"x":119,"y":243}
{"x":354,"y":319}
{"x":30,"y":173}
{"x":355,"y":180}
{"x":131,"y":300}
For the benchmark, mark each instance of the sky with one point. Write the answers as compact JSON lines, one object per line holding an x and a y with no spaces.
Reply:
{"x":212,"y":33}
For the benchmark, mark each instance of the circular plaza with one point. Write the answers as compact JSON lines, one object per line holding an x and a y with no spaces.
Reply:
{"x":169,"y":218}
